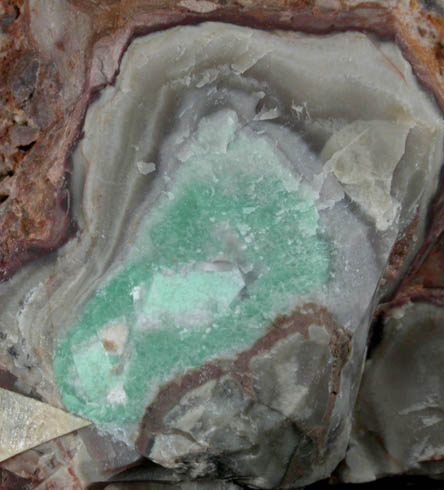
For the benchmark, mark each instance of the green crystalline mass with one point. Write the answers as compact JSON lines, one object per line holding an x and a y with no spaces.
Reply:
{"x":230,"y":245}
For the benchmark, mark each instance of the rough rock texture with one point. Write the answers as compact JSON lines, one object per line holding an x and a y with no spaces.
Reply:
{"x":59,"y":66}
{"x":398,"y":422}
{"x":55,"y":69}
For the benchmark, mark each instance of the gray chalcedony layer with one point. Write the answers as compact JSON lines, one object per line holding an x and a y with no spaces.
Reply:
{"x":398,"y":422}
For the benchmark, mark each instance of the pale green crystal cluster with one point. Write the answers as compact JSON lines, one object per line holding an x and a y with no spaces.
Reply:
{"x":232,"y":243}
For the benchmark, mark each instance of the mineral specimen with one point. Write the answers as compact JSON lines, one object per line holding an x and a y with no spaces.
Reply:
{"x":205,"y":277}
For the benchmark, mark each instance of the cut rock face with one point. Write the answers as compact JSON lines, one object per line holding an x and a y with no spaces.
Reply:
{"x":398,"y":421}
{"x":238,"y":194}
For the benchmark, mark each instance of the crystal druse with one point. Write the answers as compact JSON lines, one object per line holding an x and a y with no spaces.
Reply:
{"x":204,"y":277}
{"x":238,"y":193}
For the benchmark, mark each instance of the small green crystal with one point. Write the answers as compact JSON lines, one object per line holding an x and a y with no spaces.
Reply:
{"x":231,"y":244}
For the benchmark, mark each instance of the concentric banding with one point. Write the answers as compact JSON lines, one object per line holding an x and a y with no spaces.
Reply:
{"x":210,"y":209}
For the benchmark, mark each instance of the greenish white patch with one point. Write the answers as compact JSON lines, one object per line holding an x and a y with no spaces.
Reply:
{"x":195,"y":294}
{"x":233,"y":241}
{"x":93,"y":363}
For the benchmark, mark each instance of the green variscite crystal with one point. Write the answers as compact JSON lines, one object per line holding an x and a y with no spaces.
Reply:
{"x":233,"y":241}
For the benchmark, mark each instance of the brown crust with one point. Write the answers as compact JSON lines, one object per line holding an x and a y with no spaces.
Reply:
{"x":424,"y":279}
{"x":34,"y":215}
{"x":239,"y":369}
{"x":10,"y":480}
{"x":399,"y":254}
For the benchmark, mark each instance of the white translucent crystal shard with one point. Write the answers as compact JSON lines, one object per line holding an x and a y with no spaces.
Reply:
{"x":26,"y":423}
{"x":363,"y":157}
{"x":145,"y":168}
